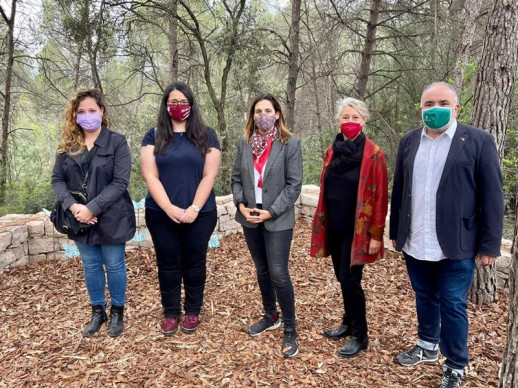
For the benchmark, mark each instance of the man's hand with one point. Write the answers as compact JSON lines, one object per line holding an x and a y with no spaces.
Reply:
{"x":485,"y":260}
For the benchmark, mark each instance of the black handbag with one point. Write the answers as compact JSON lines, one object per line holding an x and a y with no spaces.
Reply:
{"x":65,"y":222}
{"x":63,"y":219}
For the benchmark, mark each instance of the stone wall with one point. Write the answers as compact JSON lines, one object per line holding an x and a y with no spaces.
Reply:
{"x":26,"y":238}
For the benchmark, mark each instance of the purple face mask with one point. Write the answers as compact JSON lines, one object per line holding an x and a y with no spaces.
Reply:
{"x":89,"y":121}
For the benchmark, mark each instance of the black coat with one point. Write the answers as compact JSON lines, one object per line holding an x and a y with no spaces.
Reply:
{"x":470,"y":202}
{"x":108,"y":197}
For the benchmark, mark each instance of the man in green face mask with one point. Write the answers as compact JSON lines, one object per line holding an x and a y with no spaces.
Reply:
{"x":447,"y":210}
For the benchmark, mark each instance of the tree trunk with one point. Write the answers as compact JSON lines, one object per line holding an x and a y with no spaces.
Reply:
{"x":6,"y":118}
{"x":509,"y":368}
{"x":318,"y":109}
{"x":491,"y":103}
{"x":77,"y":65}
{"x":230,"y":50}
{"x":472,"y":11}
{"x":293,"y":63}
{"x":370,"y":40}
{"x":173,"y":40}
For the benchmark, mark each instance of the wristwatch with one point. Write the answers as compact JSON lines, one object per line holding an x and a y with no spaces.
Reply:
{"x":196,"y":208}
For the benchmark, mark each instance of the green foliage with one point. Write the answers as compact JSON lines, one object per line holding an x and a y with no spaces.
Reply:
{"x":30,"y":195}
{"x":510,"y":178}
{"x":129,"y":46}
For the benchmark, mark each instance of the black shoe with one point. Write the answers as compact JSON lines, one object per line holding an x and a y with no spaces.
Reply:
{"x":290,"y":344}
{"x":116,"y":321}
{"x":450,"y":379}
{"x":266,"y":323}
{"x":340,"y":332}
{"x":353,"y":347}
{"x":98,"y":318}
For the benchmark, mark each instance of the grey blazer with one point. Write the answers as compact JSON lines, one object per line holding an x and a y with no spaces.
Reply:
{"x":282,"y":182}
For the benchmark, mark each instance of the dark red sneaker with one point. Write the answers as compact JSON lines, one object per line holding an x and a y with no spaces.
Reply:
{"x":170,"y":325}
{"x":190,"y":323}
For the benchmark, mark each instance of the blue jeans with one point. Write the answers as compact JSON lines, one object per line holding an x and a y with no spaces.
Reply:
{"x":441,"y":290}
{"x":270,"y":252}
{"x":113,"y":259}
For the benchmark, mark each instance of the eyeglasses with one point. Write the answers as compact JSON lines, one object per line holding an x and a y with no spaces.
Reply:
{"x":176,"y":102}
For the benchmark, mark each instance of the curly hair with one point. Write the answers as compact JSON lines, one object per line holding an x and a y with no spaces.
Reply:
{"x":73,"y":136}
{"x":280,"y":123}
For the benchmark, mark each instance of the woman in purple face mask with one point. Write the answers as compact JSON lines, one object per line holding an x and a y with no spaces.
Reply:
{"x":89,"y":149}
{"x":350,"y":217}
{"x":266,"y":182}
{"x":180,"y":160}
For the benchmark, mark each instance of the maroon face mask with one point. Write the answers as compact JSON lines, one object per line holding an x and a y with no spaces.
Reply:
{"x":179,"y":112}
{"x":350,"y":130}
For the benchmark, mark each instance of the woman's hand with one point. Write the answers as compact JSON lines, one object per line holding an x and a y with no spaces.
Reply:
{"x":189,"y":215}
{"x":246,"y":212}
{"x":264,"y":215}
{"x":82,"y":214}
{"x":175,"y":213}
{"x":374,"y":246}
{"x":254,"y":216}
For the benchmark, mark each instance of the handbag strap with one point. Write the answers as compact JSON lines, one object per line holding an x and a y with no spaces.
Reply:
{"x":90,"y":156}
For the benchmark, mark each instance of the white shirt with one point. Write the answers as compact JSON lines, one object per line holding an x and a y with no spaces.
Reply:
{"x":422,"y":242}
{"x":259,"y":190}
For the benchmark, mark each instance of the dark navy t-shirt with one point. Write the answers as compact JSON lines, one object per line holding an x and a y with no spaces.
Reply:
{"x":180,"y":169}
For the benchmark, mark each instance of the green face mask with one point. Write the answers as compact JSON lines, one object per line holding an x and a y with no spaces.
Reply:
{"x":437,"y":117}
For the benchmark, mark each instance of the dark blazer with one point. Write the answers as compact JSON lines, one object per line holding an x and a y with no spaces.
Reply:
{"x":282,"y":182}
{"x":470,"y":203}
{"x":108,"y":197}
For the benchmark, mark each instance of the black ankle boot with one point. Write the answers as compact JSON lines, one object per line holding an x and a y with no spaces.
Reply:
{"x":98,"y":318}
{"x":116,"y":321}
{"x":353,"y":347}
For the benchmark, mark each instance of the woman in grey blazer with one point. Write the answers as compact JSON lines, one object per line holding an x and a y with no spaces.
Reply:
{"x":266,"y":182}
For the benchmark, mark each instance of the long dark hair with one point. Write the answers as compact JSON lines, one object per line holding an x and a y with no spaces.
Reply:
{"x":280,"y":123}
{"x":195,"y":128}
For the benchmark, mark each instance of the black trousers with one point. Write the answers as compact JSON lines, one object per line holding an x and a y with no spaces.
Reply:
{"x":181,"y":254}
{"x":270,"y":252}
{"x":350,"y":278}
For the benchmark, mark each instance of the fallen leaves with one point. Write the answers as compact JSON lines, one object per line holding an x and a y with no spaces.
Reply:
{"x":44,"y":306}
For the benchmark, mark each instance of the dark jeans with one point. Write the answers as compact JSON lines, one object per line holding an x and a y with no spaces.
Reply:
{"x":350,"y":278}
{"x":441,"y":290}
{"x":270,"y":252}
{"x":181,"y":253}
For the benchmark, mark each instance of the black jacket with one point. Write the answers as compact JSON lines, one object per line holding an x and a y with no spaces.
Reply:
{"x":470,"y":202}
{"x":108,"y":197}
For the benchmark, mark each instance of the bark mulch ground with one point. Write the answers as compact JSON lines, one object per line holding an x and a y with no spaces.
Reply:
{"x":44,"y":306}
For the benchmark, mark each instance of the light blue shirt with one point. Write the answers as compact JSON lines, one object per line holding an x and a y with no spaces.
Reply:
{"x":422,"y":242}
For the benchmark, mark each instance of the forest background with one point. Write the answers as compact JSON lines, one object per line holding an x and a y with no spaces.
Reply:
{"x":308,"y":53}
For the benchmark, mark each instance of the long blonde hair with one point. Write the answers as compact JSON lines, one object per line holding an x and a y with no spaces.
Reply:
{"x":73,"y":137}
{"x":281,"y":125}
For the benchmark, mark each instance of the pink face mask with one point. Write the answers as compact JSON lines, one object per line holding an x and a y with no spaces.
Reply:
{"x":179,"y":112}
{"x":264,"y":122}
{"x":350,"y":130}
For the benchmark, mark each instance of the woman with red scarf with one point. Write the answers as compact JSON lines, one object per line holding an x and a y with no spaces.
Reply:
{"x":350,"y":217}
{"x":266,"y":182}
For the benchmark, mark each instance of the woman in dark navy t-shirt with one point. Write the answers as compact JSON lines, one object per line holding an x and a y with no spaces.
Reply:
{"x":180,"y":160}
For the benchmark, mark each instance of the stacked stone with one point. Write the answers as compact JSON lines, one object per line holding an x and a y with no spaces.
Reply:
{"x":26,"y":238}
